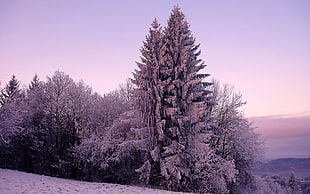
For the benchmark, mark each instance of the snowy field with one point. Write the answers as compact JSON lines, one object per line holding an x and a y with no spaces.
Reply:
{"x":20,"y":182}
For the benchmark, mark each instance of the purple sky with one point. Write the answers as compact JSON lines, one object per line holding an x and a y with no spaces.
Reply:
{"x":260,"y":47}
{"x":285,"y":135}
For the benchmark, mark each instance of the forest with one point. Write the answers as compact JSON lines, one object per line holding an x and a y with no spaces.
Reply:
{"x":167,"y":127}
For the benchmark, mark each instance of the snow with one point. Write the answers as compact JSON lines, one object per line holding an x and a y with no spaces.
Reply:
{"x":20,"y":182}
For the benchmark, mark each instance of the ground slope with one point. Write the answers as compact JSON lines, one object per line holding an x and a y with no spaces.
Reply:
{"x":284,"y":166}
{"x":20,"y":182}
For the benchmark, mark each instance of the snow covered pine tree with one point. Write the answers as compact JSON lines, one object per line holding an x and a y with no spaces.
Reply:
{"x":11,"y":91}
{"x":292,"y":186}
{"x":171,"y":95}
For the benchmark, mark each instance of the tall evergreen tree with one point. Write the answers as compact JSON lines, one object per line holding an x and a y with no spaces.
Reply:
{"x":172,"y":97}
{"x":185,"y":97}
{"x":148,"y":94}
{"x":148,"y":76}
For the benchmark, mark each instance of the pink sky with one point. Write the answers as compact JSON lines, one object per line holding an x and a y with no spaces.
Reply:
{"x":284,"y":135}
{"x":283,"y":125}
{"x":260,"y":47}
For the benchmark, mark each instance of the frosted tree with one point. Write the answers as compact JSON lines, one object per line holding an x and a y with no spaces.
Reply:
{"x":148,"y":94}
{"x":11,"y":91}
{"x":35,"y":83}
{"x":213,"y":172}
{"x":184,"y":101}
{"x":36,"y":102}
{"x":10,"y":112}
{"x":1,"y":95}
{"x":292,"y":186}
{"x":125,"y":90}
{"x":171,"y":95}
{"x":147,"y":78}
{"x":233,"y":136}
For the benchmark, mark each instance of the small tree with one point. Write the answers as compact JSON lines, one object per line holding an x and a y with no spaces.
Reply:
{"x":11,"y":91}
{"x":35,"y":83}
{"x":292,"y":185}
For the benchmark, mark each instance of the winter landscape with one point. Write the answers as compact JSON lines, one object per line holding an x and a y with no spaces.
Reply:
{"x":172,"y":126}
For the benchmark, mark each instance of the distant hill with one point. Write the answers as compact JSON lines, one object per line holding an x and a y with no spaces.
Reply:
{"x":284,"y":166}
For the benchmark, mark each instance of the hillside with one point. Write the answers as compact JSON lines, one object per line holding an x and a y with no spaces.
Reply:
{"x":20,"y":182}
{"x":284,"y":166}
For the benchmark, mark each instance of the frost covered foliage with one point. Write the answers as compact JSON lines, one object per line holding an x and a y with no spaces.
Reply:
{"x":11,"y":98}
{"x":233,"y":136}
{"x":174,"y":102}
{"x":292,"y":186}
{"x":12,"y":111}
{"x":264,"y":185}
{"x":40,"y":125}
{"x":114,"y":155}
{"x":214,"y":173}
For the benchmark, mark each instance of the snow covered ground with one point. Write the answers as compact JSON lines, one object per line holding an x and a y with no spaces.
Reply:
{"x":20,"y":182}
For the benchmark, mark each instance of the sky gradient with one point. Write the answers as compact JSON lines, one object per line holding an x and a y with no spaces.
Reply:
{"x":284,"y":135}
{"x":262,"y":48}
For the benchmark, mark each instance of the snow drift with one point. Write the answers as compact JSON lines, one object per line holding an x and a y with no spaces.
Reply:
{"x":20,"y":182}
